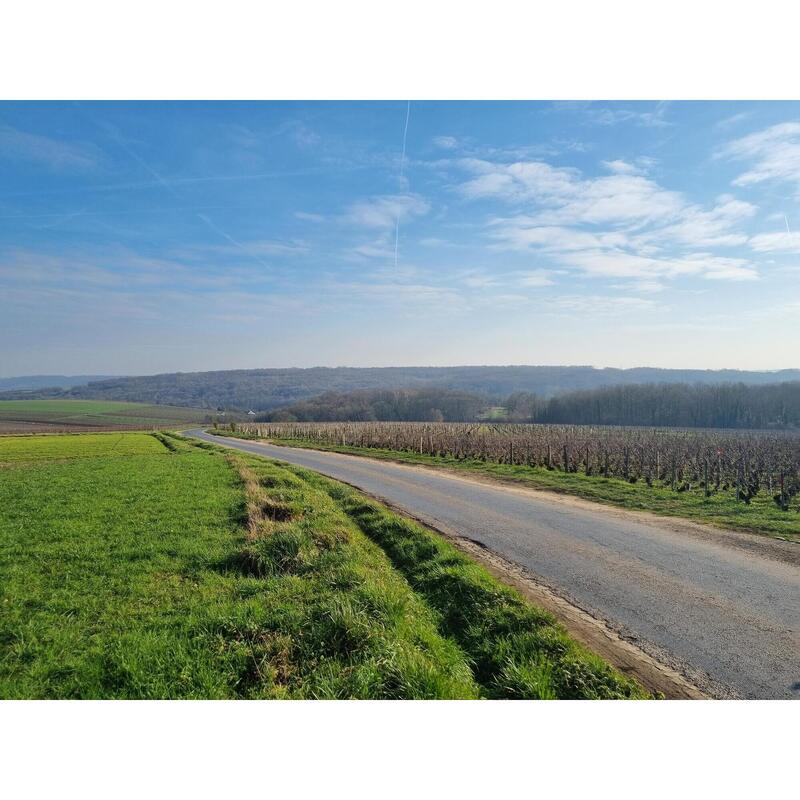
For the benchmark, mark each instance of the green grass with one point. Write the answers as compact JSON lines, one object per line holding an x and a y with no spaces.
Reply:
{"x":78,"y":445}
{"x":761,"y":516}
{"x":517,"y":650}
{"x":93,"y":413}
{"x":152,"y":568}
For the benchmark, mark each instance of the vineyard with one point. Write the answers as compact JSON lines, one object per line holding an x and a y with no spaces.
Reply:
{"x":742,"y":465}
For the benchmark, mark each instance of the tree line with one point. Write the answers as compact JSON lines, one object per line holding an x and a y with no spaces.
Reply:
{"x":678,"y":405}
{"x":727,"y":405}
{"x":399,"y":405}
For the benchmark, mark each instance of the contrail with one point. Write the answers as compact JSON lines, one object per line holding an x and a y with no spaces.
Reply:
{"x":402,"y":166}
{"x":786,"y":220}
{"x":160,"y":179}
{"x":171,"y":189}
{"x":233,"y":241}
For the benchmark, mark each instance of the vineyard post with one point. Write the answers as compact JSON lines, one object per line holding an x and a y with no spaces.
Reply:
{"x":738,"y":480}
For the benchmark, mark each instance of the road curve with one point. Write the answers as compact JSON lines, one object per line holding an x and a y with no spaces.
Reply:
{"x":722,"y":608}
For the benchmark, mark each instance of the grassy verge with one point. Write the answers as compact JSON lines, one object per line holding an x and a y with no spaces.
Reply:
{"x":760,"y":516}
{"x":148,"y":567}
{"x":516,"y":649}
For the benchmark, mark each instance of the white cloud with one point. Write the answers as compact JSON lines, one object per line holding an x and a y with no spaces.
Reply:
{"x":775,"y":153}
{"x":489,"y":185}
{"x":617,"y":199}
{"x":568,"y":198}
{"x":380,"y":248}
{"x":645,"y":119}
{"x":622,"y":225}
{"x":536,"y":277}
{"x":619,"y":264}
{"x":621,"y":167}
{"x":445,"y":142}
{"x":780,"y":242}
{"x":519,"y":180}
{"x":699,"y":228}
{"x":480,"y":280}
{"x":519,"y":234}
{"x":308,"y":217}
{"x":384,"y":211}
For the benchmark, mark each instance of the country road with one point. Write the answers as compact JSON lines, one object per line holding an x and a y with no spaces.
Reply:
{"x":722,"y":608}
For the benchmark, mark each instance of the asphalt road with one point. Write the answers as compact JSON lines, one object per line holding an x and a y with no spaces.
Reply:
{"x":716,"y":605}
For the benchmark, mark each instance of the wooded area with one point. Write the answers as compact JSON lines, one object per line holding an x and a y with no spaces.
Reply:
{"x":652,"y":405}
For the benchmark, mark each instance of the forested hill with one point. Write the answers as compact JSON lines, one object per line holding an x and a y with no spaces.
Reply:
{"x":657,"y":405}
{"x":265,"y":389}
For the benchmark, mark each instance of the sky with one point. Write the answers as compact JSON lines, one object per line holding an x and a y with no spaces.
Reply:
{"x":138,"y":238}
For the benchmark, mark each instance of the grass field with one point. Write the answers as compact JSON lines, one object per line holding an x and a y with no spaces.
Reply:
{"x":21,"y":416}
{"x":760,"y":516}
{"x":142,"y":566}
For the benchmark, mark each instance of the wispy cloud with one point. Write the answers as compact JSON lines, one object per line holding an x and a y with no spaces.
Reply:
{"x":622,"y":225}
{"x":619,"y":264}
{"x":568,"y":197}
{"x":780,"y":242}
{"x":733,"y":120}
{"x":699,"y":228}
{"x":536,"y":277}
{"x":52,"y":153}
{"x":595,"y":114}
{"x":383,"y":211}
{"x":602,"y":305}
{"x":774,"y":153}
{"x":445,"y":142}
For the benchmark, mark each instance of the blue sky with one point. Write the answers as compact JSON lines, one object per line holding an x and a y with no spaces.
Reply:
{"x":151,"y":237}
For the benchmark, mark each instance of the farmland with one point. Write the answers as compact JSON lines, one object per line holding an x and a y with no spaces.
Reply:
{"x":744,"y":480}
{"x":32,"y":416}
{"x":138,"y":565}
